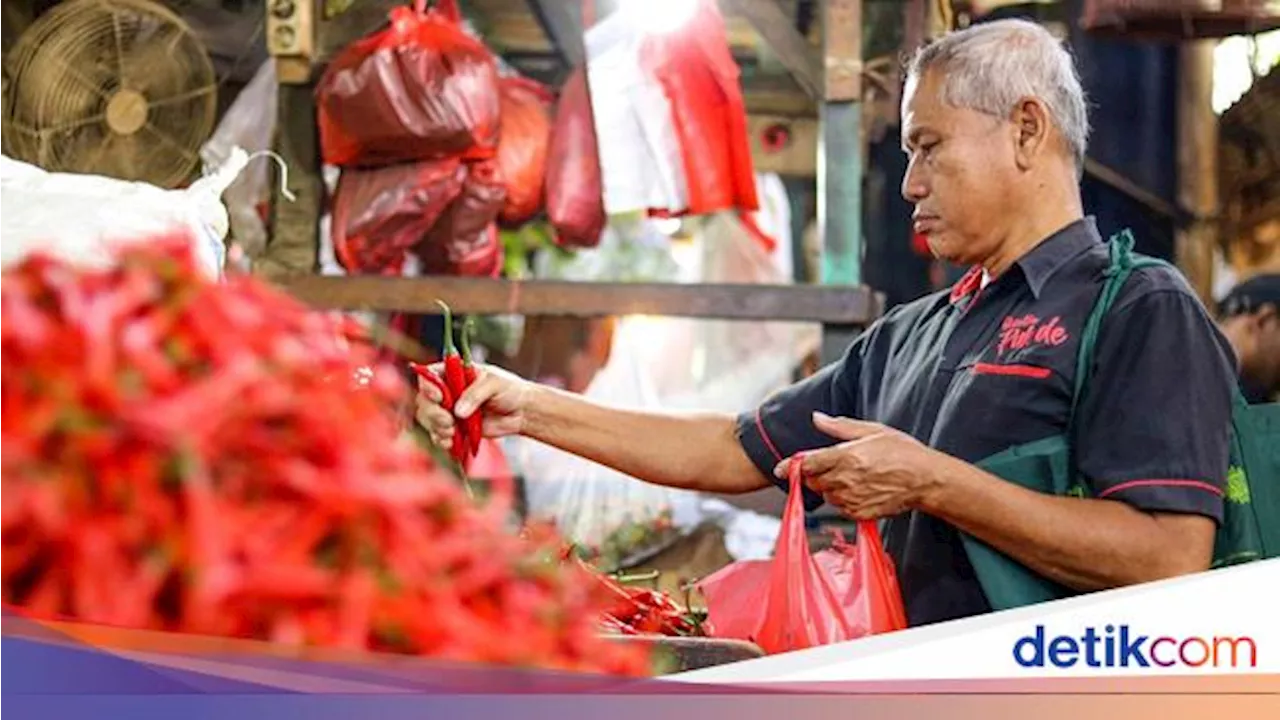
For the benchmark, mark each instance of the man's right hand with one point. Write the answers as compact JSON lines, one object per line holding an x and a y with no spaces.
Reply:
{"x":695,"y":451}
{"x":498,"y":394}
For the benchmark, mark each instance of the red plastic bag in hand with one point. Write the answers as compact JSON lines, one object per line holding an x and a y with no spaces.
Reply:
{"x":465,"y":239}
{"x":421,"y":89}
{"x":380,"y":214}
{"x":522,"y":147}
{"x":700,"y":77}
{"x":575,"y":200}
{"x":834,"y":595}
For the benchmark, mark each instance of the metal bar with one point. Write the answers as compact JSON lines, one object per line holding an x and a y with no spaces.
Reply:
{"x":849,"y":306}
{"x":779,"y":32}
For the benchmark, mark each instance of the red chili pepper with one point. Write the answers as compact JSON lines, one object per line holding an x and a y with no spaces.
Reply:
{"x":475,"y":423}
{"x":425,"y":373}
{"x":455,"y":378}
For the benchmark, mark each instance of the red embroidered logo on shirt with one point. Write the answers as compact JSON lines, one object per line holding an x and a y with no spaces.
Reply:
{"x":1020,"y":333}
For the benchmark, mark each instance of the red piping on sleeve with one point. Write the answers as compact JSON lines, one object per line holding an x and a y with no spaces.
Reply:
{"x":768,"y":442}
{"x":1197,"y":484}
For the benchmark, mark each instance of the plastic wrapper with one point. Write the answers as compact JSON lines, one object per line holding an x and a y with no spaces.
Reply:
{"x":842,"y":593}
{"x":380,"y":214}
{"x":420,"y":89}
{"x":613,"y":518}
{"x":250,"y":124}
{"x":641,"y":160}
{"x":84,"y":218}
{"x":522,"y":147}
{"x":464,"y":241}
{"x":700,"y":78}
{"x":575,"y":203}
{"x":726,"y":365}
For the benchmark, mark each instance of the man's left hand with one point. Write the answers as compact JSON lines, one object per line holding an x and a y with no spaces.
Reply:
{"x":876,"y":472}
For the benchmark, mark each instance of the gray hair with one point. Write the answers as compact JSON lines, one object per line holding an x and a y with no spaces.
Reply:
{"x":991,"y":66}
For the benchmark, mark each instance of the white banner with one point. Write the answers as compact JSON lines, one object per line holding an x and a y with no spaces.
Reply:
{"x":1219,"y":622}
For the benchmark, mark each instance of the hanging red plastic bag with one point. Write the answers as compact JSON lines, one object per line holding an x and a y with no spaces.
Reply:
{"x":700,"y":78}
{"x":843,"y":593}
{"x":575,"y":204}
{"x":464,"y":241}
{"x":420,"y":89}
{"x":379,"y":214}
{"x":522,"y":147}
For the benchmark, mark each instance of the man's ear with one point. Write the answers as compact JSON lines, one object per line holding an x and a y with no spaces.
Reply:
{"x":1266,"y":315}
{"x":1032,"y":127}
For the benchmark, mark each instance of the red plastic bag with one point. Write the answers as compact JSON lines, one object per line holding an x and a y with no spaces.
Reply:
{"x":834,"y":595}
{"x":522,"y":147}
{"x":421,"y":89}
{"x":380,"y":214}
{"x":575,"y":203}
{"x":700,"y":77}
{"x":465,"y":239}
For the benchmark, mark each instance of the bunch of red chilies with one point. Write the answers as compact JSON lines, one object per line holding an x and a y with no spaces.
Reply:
{"x":638,"y":611}
{"x":188,"y":456}
{"x":459,"y":374}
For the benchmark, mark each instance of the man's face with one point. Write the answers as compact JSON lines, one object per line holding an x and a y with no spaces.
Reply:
{"x":961,"y":173}
{"x":1256,"y":338}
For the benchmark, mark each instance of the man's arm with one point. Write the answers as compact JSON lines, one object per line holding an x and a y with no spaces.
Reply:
{"x":1151,"y":443}
{"x":695,"y":451}
{"x":1083,"y":543}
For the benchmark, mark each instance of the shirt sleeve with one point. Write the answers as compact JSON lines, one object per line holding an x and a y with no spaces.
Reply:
{"x":783,"y":425}
{"x":1153,"y":427}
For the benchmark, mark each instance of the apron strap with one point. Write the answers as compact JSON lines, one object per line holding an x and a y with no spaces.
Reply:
{"x":1123,"y":263}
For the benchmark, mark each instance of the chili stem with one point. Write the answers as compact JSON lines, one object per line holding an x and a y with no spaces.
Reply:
{"x":449,"y":347}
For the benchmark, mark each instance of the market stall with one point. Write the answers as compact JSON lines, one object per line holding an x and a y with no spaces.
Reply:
{"x":651,"y":204}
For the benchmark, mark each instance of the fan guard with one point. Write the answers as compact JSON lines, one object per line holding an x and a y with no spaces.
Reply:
{"x":120,"y":88}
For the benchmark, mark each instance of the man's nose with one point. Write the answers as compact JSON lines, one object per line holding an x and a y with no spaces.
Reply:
{"x":913,"y":188}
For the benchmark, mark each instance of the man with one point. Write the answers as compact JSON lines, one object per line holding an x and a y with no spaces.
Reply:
{"x":995,"y":129}
{"x":1250,"y":318}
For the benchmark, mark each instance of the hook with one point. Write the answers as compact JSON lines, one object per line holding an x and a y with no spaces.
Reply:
{"x":284,"y":172}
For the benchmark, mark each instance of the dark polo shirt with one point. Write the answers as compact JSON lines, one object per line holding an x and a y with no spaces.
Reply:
{"x":973,"y":371}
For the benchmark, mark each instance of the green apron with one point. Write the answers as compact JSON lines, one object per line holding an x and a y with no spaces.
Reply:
{"x":1251,"y":523}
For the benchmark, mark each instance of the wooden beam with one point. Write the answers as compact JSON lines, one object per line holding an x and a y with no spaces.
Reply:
{"x":355,"y":22}
{"x":852,"y":306}
{"x":778,"y":30}
{"x":1116,"y":180}
{"x":1197,"y":165}
{"x":562,"y":23}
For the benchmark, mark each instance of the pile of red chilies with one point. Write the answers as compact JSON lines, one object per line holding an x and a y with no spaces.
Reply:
{"x":194,"y":457}
{"x":640,"y":611}
{"x":459,"y":374}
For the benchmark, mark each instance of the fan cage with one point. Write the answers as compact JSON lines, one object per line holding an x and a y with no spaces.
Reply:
{"x":120,"y":88}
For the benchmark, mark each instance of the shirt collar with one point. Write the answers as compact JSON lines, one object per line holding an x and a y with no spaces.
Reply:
{"x":1042,"y":261}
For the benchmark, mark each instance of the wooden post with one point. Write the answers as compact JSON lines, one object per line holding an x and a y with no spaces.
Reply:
{"x":1197,"y":165}
{"x":294,"y":245}
{"x":840,"y":156}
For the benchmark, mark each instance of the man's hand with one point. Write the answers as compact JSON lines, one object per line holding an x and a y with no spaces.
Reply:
{"x":1084,"y":543}
{"x":501,"y":396}
{"x":876,"y":472}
